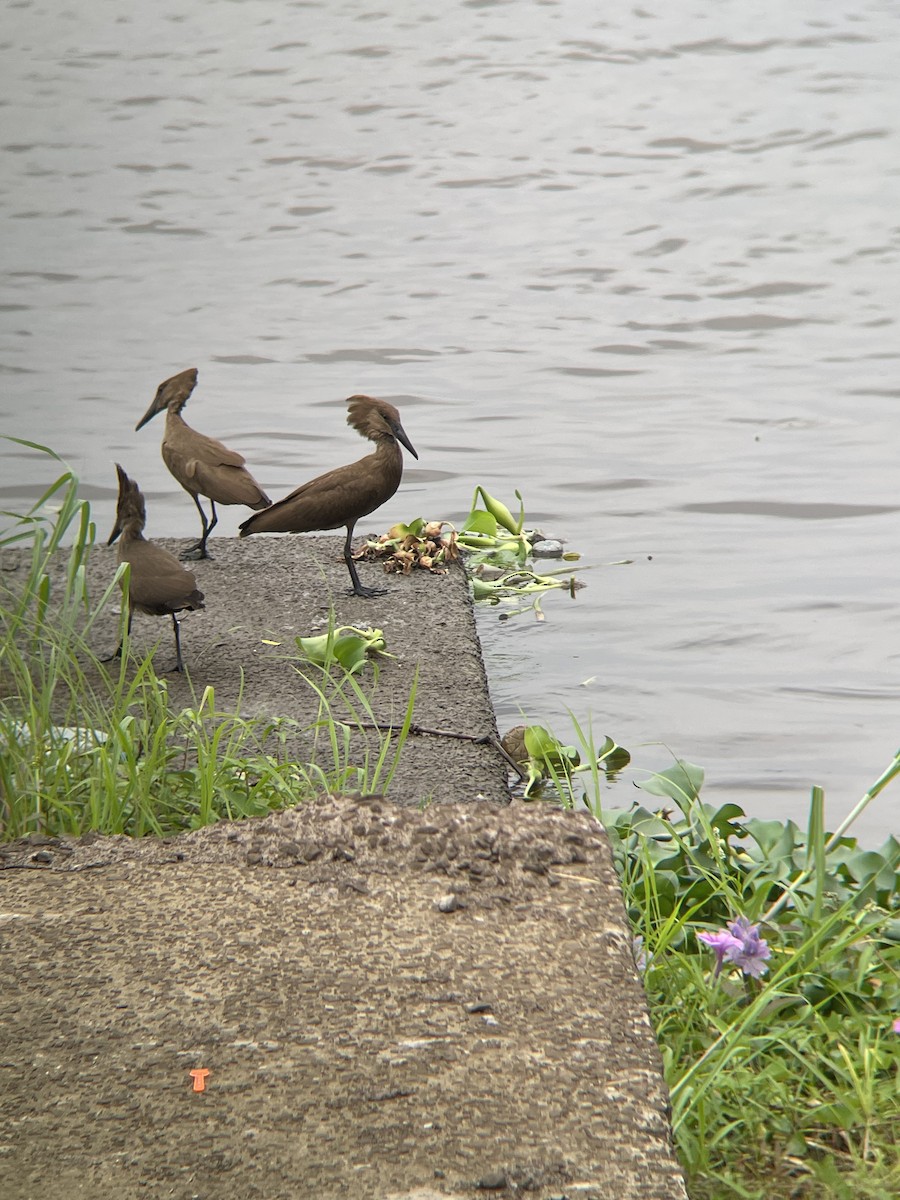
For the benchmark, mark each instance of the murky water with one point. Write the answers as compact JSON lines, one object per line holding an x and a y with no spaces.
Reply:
{"x":643,"y":266}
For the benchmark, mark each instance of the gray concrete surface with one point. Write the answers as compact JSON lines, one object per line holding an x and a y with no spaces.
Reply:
{"x":428,"y":994}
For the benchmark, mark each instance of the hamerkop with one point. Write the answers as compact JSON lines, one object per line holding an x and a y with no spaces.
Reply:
{"x":201,"y":464}
{"x":342,"y":496}
{"x":158,"y":584}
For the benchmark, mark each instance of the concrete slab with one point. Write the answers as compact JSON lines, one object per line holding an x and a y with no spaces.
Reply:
{"x":390,"y":1001}
{"x":265,"y":590}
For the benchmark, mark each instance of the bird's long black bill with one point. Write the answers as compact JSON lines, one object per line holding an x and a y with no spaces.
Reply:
{"x":400,"y":435}
{"x":148,"y":415}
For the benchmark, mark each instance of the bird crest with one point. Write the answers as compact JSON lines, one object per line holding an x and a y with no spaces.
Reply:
{"x":130,"y":508}
{"x":372,"y":418}
{"x":171,"y":394}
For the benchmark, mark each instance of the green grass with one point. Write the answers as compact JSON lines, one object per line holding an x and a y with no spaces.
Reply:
{"x":90,"y":745}
{"x":785,"y":1087}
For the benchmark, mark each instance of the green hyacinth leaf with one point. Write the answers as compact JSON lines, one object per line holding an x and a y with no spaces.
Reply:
{"x":350,"y":651}
{"x":315,"y":648}
{"x":681,"y":782}
{"x":501,"y":513}
{"x":481,"y":522}
{"x":543,"y":747}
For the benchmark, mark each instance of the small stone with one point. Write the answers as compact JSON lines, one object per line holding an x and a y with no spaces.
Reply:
{"x":492,"y":1181}
{"x":548,"y":548}
{"x":450,"y":903}
{"x":536,"y":868}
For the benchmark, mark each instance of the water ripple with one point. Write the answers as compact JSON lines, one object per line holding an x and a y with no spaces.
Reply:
{"x":618,"y":260}
{"x":791,"y":509}
{"x":384,"y":355}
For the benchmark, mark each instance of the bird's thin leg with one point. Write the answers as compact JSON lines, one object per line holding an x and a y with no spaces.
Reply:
{"x":179,"y":661}
{"x":198,"y":550}
{"x":359,"y":589}
{"x":208,"y":530}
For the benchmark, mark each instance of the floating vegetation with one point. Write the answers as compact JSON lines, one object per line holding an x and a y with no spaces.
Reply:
{"x":498,"y":547}
{"x":543,"y":759}
{"x":495,"y":548}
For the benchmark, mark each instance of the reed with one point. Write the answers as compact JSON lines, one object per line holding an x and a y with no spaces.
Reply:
{"x":89,"y":745}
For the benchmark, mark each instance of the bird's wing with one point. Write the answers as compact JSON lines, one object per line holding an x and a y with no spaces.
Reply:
{"x":210,"y":452}
{"x":329,"y":500}
{"x":183,"y":445}
{"x":225,"y":484}
{"x":159,"y":583}
{"x":204,"y":465}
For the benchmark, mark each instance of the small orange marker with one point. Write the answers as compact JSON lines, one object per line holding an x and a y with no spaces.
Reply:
{"x":199,"y":1075}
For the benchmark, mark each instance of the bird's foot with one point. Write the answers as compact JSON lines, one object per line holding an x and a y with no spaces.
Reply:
{"x":111,"y":657}
{"x":195,"y":553}
{"x":367,"y":592}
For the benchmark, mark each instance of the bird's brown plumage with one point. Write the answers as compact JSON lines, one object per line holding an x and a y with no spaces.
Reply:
{"x":158,"y":584}
{"x":342,"y":496}
{"x":202,"y":465}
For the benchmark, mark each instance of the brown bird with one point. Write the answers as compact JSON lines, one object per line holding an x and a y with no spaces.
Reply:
{"x":342,"y":496}
{"x":158,"y":583}
{"x":202,"y":465}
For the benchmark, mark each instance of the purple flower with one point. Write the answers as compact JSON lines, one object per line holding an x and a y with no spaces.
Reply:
{"x":753,"y":951}
{"x":897,"y":1025}
{"x":723,"y":944}
{"x":741,"y":945}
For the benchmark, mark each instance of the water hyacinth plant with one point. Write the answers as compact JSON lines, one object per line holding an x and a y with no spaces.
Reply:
{"x":345,"y":645}
{"x":329,"y":664}
{"x":781,"y":1054}
{"x":493,"y":529}
{"x":740,"y":945}
{"x":544,"y":761}
{"x":497,"y":547}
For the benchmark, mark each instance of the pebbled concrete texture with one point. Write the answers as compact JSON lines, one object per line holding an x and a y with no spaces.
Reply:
{"x":424,"y":994}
